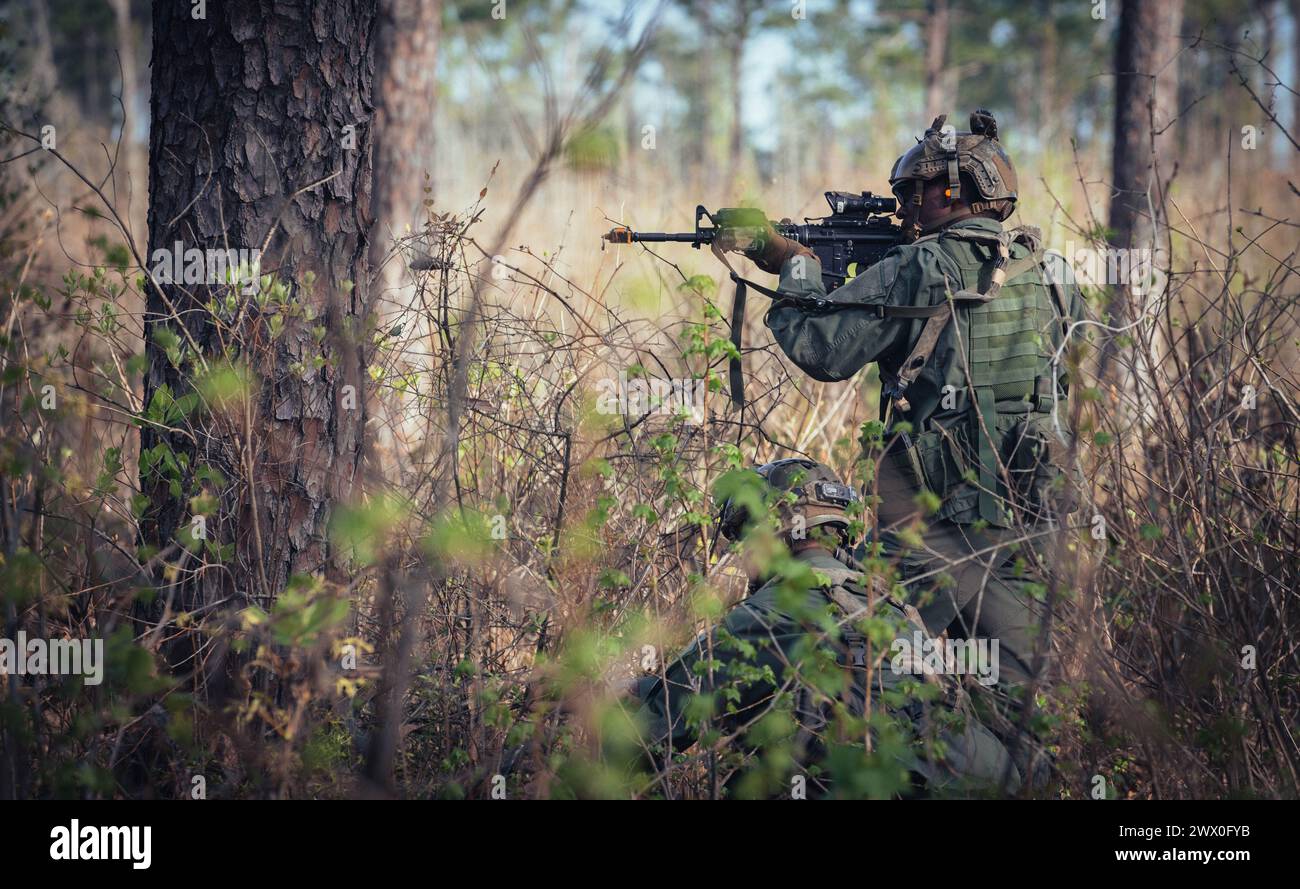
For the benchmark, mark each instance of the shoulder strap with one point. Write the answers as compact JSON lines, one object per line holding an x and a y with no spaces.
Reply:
{"x":842,"y":578}
{"x":1059,"y":297}
{"x":853,"y":609}
{"x":844,"y":600}
{"x":839,"y":577}
{"x":1004,"y":269}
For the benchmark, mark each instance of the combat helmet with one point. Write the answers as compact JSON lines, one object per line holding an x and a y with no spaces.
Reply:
{"x":820,"y":499}
{"x":946,"y":153}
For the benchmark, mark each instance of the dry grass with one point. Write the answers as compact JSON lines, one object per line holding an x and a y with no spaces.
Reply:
{"x":504,"y":646}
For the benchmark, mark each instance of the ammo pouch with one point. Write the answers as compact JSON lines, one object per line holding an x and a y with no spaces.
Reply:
{"x":937,"y":461}
{"x":1035,"y":461}
{"x":946,"y":461}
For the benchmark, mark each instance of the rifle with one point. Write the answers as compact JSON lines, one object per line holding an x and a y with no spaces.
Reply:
{"x":856,"y":235}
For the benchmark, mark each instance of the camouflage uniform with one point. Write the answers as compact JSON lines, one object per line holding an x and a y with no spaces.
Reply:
{"x":985,"y":405}
{"x":786,"y":648}
{"x":834,"y":343}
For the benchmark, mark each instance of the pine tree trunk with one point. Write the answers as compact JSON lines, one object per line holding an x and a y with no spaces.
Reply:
{"x":260,"y":136}
{"x":1144,"y":104}
{"x":1146,"y":97}
{"x":937,"y":22}
{"x":1048,"y":112}
{"x":735,"y":65}
{"x":1293,"y":6}
{"x":135,"y":178}
{"x":406,"y":61}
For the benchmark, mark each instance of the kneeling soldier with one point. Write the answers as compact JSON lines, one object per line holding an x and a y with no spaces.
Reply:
{"x":814,"y":678}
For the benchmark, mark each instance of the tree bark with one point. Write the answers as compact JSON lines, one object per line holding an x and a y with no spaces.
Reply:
{"x":1146,"y":96}
{"x":406,"y":61}
{"x":135,"y":176}
{"x":1145,"y":103}
{"x":1135,"y":51}
{"x":937,"y":23}
{"x":260,"y":136}
{"x":44,"y":75}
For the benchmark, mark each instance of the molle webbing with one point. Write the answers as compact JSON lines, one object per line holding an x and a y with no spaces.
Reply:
{"x":1009,"y":361}
{"x":986,"y":428}
{"x":1006,"y":344}
{"x":1003,"y":270}
{"x":1008,"y":351}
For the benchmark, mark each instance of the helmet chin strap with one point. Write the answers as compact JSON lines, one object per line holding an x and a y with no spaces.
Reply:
{"x":954,"y":178}
{"x":911,"y":224}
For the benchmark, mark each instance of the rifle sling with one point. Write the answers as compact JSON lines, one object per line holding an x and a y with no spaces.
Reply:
{"x":735,"y":372}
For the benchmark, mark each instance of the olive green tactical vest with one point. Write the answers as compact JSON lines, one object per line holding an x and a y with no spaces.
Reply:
{"x":994,"y":450}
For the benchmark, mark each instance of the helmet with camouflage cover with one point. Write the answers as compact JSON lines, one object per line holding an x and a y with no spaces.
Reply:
{"x":820,"y":499}
{"x":946,"y":154}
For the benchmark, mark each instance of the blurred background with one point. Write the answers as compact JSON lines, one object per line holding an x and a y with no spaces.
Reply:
{"x":735,"y":100}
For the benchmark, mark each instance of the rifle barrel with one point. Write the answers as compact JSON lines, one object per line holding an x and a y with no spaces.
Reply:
{"x":627,"y":236}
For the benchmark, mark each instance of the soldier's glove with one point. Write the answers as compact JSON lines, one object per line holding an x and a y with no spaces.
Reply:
{"x":773,"y":250}
{"x":746,"y":230}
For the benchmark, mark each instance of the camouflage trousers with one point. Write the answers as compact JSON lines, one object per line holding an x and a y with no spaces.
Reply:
{"x":987,"y":586}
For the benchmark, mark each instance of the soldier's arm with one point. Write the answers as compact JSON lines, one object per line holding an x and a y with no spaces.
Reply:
{"x":663,"y":711}
{"x":836,"y":343}
{"x":1059,"y":268}
{"x":746,"y":654}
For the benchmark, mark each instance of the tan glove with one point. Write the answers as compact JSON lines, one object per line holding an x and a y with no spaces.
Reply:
{"x":775,"y":250}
